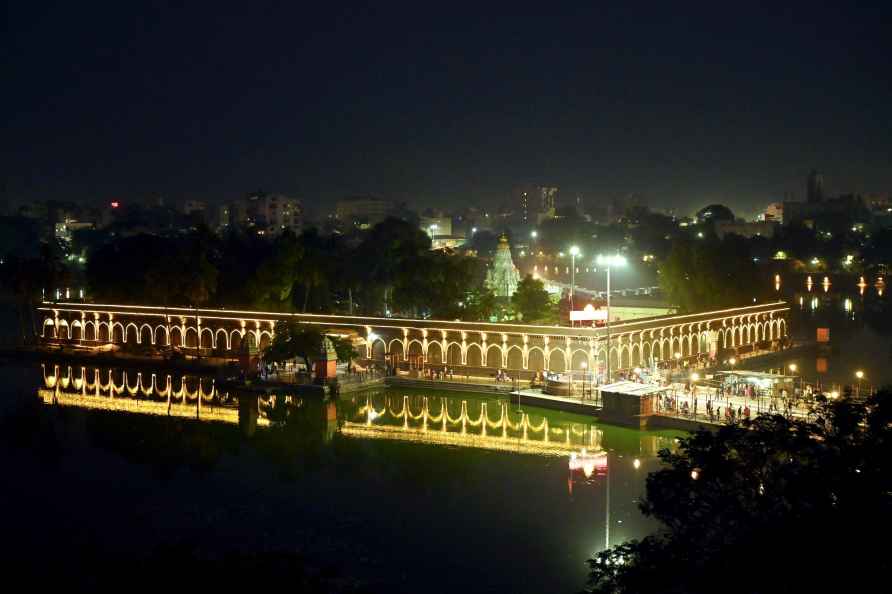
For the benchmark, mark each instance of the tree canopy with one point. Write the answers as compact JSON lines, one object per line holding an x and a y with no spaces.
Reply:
{"x":711,"y":273}
{"x":770,"y":505}
{"x":531,"y":300}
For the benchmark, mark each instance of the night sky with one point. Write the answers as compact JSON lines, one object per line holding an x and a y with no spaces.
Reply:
{"x":441,"y":104}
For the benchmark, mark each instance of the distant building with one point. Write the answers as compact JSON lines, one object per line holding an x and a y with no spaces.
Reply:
{"x":269,"y":214}
{"x":849,"y":206}
{"x":363,"y":211}
{"x":774,"y":212}
{"x":436,"y":225}
{"x":536,"y":203}
{"x":745,"y":229}
{"x":190,"y":206}
{"x":815,"y":187}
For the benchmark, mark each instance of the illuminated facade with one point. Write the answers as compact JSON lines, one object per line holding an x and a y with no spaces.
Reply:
{"x":633,"y":343}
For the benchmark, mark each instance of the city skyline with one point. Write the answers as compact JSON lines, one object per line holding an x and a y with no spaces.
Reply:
{"x":683,"y":111}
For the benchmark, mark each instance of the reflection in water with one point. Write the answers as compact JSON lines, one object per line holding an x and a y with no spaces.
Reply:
{"x":149,"y":393}
{"x":491,"y":425}
{"x":581,"y":481}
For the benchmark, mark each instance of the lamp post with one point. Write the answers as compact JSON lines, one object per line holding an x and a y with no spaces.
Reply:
{"x":860,"y":375}
{"x":574,"y":251}
{"x":609,"y":262}
{"x":584,"y":365}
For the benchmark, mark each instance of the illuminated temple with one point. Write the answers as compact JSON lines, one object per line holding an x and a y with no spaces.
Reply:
{"x":502,"y":277}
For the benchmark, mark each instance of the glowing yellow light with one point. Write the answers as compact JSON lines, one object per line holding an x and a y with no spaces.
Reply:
{"x":694,"y":474}
{"x":859,"y":374}
{"x":732,"y":360}
{"x":636,"y":463}
{"x":695,"y":376}
{"x":793,"y":367}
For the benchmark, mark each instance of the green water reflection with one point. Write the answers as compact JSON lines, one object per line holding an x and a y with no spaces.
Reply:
{"x":412,"y":489}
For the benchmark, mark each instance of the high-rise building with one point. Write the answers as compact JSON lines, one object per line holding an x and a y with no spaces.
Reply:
{"x":363,"y":211}
{"x":536,"y":202}
{"x":269,"y":214}
{"x":815,"y":190}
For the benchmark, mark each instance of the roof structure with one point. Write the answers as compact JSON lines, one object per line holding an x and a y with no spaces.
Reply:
{"x":632,"y":388}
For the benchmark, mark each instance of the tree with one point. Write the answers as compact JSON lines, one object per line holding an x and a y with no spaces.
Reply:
{"x":774,"y":495}
{"x":531,"y":300}
{"x":710,"y":273}
{"x":391,"y":246}
{"x":344,"y":348}
{"x":294,"y":340}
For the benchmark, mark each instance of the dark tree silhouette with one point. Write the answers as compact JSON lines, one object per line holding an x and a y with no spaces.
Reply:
{"x":770,"y":505}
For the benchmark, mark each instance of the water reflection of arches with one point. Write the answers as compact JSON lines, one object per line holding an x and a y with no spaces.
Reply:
{"x":143,"y":392}
{"x":472,"y":423}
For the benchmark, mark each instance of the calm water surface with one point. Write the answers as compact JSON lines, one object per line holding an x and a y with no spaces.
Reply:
{"x":404,"y":491}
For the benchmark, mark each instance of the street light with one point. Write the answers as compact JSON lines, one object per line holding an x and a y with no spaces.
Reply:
{"x":609,"y":262}
{"x":534,"y":234}
{"x":584,"y":365}
{"x":574,"y":251}
{"x":860,"y":375}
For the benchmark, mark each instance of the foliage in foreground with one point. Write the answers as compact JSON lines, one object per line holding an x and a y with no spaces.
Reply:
{"x":776,"y":505}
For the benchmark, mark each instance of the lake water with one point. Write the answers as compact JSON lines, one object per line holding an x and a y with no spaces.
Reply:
{"x":401,"y":491}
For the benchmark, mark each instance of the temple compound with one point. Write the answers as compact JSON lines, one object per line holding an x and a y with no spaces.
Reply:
{"x":519,"y":347}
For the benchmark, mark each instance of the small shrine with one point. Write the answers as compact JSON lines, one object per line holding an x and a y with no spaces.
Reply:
{"x":503,"y":277}
{"x":326,"y":364}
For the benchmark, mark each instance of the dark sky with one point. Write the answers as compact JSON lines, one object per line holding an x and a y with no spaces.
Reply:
{"x":441,"y":104}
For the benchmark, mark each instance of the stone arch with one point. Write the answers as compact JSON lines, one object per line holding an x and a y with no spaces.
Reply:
{"x":625,"y":357}
{"x":416,"y":348}
{"x":535,"y":359}
{"x":89,"y":330}
{"x":176,"y":336}
{"x":131,"y":333}
{"x":645,"y":354}
{"x":474,"y":355}
{"x":62,"y":330}
{"x":235,"y":340}
{"x":117,"y":333}
{"x":434,"y":353}
{"x":781,"y":328}
{"x":557,"y":360}
{"x":266,"y":338}
{"x":453,"y":354}
{"x":191,"y":341}
{"x":579,"y":357}
{"x":49,"y":322}
{"x":399,"y":343}
{"x":161,"y":338}
{"x":635,"y":355}
{"x":494,"y":356}
{"x":515,"y":357}
{"x":103,"y":332}
{"x":221,"y":339}
{"x":379,"y":350}
{"x":76,"y":330}
{"x":614,"y":358}
{"x":207,"y":338}
{"x":146,"y":336}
